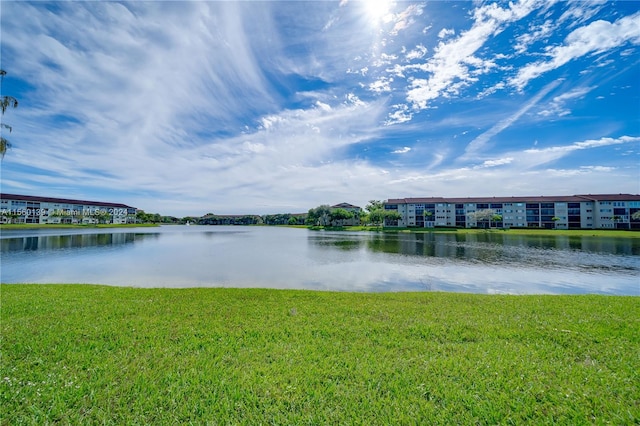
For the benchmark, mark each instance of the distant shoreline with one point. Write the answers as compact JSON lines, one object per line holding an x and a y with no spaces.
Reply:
{"x":617,"y":233}
{"x":6,"y":226}
{"x":623,"y":233}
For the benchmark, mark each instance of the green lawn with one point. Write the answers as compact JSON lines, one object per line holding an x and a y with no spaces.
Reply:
{"x":76,"y":354}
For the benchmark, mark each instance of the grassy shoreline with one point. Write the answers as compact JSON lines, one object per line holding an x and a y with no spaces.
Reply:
{"x":522,"y":231}
{"x":96,"y":354}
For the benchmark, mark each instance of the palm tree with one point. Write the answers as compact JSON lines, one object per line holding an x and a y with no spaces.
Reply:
{"x":5,"y":102}
{"x":616,"y":219}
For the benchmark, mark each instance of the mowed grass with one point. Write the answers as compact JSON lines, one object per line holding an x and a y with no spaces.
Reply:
{"x":77,"y":354}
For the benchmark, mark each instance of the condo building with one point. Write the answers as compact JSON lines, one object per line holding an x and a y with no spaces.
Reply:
{"x":601,"y":211}
{"x":355,"y":210}
{"x":30,"y":209}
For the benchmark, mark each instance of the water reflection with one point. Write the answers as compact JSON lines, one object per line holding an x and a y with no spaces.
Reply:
{"x":454,"y":244}
{"x":330,"y":242}
{"x":294,"y":258}
{"x":75,"y":241}
{"x":569,"y":253}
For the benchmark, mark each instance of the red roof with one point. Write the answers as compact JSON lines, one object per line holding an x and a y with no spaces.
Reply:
{"x":541,"y":198}
{"x":345,"y":206}
{"x":611,"y":197}
{"x":60,"y":201}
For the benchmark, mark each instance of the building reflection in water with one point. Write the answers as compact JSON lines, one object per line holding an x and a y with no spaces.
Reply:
{"x":77,"y":241}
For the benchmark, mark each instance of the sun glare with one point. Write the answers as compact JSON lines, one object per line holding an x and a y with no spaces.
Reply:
{"x":377,"y":10}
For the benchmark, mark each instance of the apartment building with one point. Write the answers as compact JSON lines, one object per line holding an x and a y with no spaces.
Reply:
{"x":356,"y":210}
{"x":31,"y":209}
{"x":599,"y":211}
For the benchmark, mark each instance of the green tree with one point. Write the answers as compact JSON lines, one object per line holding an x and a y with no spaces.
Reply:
{"x":484,"y":216}
{"x":319,"y":216}
{"x":103,"y":216}
{"x":6,"y":102}
{"x":392,"y":216}
{"x":376,"y":212}
{"x":374,"y":205}
{"x":338,"y":216}
{"x":10,"y":217}
{"x":377,"y":217}
{"x":428,"y":216}
{"x":189,"y":219}
{"x":292,"y":221}
{"x":142,"y":217}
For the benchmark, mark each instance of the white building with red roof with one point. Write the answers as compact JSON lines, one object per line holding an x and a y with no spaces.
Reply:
{"x":16,"y":208}
{"x":590,"y":211}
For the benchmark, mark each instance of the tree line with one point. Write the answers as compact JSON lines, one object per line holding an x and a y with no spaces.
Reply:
{"x":374,"y":214}
{"x":324,"y":215}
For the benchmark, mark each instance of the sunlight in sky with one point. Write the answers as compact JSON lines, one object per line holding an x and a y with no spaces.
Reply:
{"x":377,"y":10}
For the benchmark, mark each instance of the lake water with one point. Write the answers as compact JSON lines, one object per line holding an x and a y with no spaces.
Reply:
{"x":269,"y":257}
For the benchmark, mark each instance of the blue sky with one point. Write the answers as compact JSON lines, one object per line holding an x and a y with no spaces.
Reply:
{"x":185,"y":108}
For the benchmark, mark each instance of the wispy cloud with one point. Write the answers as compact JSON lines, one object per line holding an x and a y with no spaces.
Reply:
{"x":534,"y":35}
{"x":403,"y":150}
{"x":449,"y":67}
{"x":479,"y":142}
{"x":595,"y":37}
{"x":557,"y":105}
{"x":594,"y":143}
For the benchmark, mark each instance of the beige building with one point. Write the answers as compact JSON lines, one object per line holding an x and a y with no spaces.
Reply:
{"x":600,"y":211}
{"x":30,"y":209}
{"x":356,"y":210}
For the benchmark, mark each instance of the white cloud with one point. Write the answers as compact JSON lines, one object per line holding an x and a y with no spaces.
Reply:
{"x":511,"y":181}
{"x":497,"y":162}
{"x":533,"y":35}
{"x":523,"y":173}
{"x":444,"y":33}
{"x":403,"y":150}
{"x":598,"y":168}
{"x":536,"y":157}
{"x":352,"y":99}
{"x":323,"y":106}
{"x":595,"y":37}
{"x":406,"y":18}
{"x":557,"y":105}
{"x":400,"y":115}
{"x":479,"y":142}
{"x":381,"y":85}
{"x":449,"y":66}
{"x":253,"y":147}
{"x":416,"y":53}
{"x":580,"y":11}
{"x":592,"y":143}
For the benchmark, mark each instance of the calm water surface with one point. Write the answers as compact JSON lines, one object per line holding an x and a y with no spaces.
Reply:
{"x":215,"y":256}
